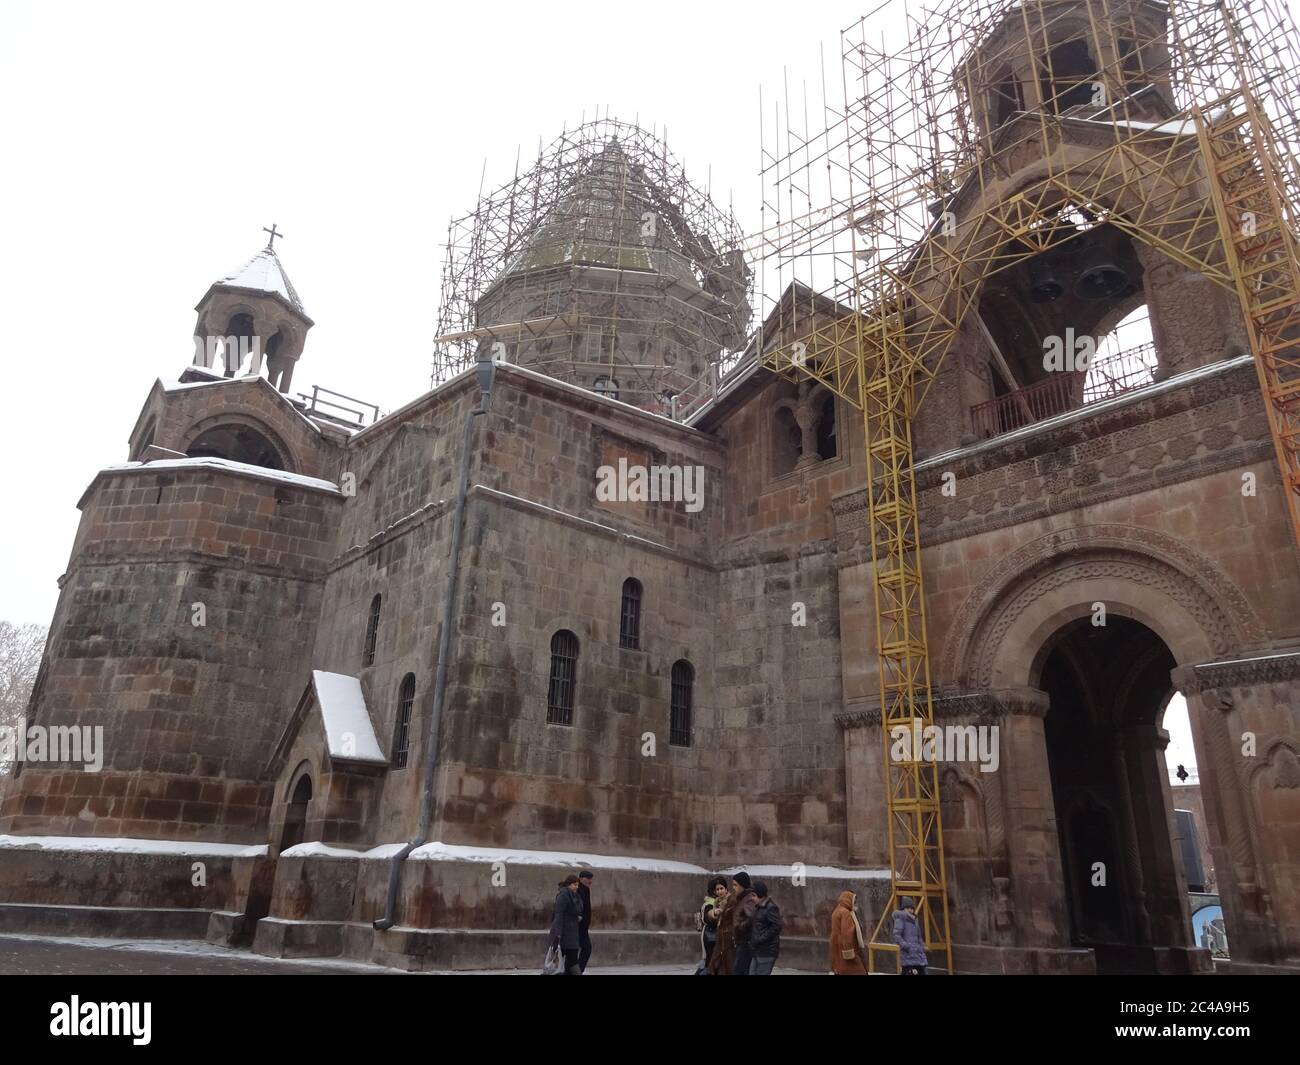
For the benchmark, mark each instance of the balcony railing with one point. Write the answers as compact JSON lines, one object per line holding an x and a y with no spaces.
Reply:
{"x":1109,"y":376}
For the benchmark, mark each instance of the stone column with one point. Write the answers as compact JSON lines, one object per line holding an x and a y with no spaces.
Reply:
{"x":1194,"y":322}
{"x":1037,"y":882}
{"x":1247,"y":733}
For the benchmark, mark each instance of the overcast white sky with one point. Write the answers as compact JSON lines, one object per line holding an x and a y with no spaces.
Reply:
{"x":148,"y":144}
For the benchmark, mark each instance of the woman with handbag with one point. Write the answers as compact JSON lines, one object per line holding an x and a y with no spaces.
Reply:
{"x":848,"y":951}
{"x":564,"y":924}
{"x":706,"y":921}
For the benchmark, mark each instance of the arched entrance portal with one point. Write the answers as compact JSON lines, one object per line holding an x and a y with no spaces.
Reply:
{"x":1125,"y":891}
{"x":295,"y":817}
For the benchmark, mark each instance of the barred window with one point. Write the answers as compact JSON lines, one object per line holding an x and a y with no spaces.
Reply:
{"x":402,"y":737}
{"x":564,"y":675}
{"x":372,"y":633}
{"x":629,"y":625}
{"x":679,"y":725}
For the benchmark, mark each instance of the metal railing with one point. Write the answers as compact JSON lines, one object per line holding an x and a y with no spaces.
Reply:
{"x":1109,"y":376}
{"x":316,"y":404}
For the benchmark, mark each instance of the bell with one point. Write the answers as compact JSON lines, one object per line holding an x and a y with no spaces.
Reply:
{"x":1044,"y":286}
{"x":1100,"y":277}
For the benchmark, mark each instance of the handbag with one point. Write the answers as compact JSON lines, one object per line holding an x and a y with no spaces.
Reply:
{"x":554,"y":963}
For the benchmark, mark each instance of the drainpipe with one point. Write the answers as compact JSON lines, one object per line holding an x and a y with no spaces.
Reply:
{"x":486,"y":370}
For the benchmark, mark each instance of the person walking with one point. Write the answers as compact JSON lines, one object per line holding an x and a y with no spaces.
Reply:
{"x":911,"y":944}
{"x":848,"y":951}
{"x":722,"y":961}
{"x":707,"y":921}
{"x":746,"y":903}
{"x":764,"y":932}
{"x":564,"y":924}
{"x":584,"y":921}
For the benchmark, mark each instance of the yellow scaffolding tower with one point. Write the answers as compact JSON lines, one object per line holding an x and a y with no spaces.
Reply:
{"x":1187,"y":141}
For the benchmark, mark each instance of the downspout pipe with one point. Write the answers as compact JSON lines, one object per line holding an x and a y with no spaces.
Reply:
{"x":486,"y":371}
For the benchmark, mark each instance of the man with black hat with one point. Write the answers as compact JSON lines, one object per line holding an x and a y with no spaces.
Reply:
{"x":746,"y":903}
{"x":584,"y":920}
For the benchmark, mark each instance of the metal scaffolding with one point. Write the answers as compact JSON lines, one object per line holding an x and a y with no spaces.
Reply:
{"x":973,"y":137}
{"x":601,"y":265}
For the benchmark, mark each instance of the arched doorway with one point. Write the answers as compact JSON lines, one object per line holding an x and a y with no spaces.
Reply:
{"x":1108,"y":680}
{"x":295,"y":817}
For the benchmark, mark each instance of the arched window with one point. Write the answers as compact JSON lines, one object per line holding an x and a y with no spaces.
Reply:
{"x":1068,"y":76}
{"x":679,"y":724}
{"x":606,"y":386}
{"x":1008,"y":98}
{"x":564,"y":676}
{"x":372,"y":632}
{"x":629,"y":623}
{"x":238,"y":443}
{"x":402,"y":737}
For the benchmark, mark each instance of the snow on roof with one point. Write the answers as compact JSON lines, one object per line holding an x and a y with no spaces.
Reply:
{"x":349,"y":731}
{"x":117,"y":845}
{"x":260,"y":472}
{"x":263,"y":273}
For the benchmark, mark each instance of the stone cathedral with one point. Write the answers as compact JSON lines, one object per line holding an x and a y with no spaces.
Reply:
{"x":253,"y":612}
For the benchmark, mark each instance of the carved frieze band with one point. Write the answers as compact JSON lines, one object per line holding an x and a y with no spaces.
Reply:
{"x":975,"y":706}
{"x":1239,"y":673}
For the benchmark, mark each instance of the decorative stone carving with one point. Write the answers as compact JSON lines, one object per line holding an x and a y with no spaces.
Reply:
{"x":1239,"y":673}
{"x":1153,"y":558}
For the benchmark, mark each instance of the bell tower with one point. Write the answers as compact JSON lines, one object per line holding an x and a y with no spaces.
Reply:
{"x":253,"y":316}
{"x":1076,"y":299}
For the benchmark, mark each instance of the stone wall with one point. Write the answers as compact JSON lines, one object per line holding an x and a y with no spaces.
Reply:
{"x":189,"y":712}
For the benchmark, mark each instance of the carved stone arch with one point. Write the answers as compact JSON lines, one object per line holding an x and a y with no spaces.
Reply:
{"x":303,"y":768}
{"x":1170,"y":571}
{"x":288,"y":461}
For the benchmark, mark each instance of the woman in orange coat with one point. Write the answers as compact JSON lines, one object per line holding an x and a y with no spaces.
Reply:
{"x":848,"y":952}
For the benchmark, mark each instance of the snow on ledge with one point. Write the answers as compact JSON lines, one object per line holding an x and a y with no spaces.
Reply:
{"x":450,"y":852}
{"x":120,"y":845}
{"x":348,"y":728}
{"x":229,"y":466}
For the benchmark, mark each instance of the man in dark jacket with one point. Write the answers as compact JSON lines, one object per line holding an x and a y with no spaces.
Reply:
{"x":584,"y":921}
{"x":764,"y":932}
{"x":745,"y":904}
{"x":564,"y":924}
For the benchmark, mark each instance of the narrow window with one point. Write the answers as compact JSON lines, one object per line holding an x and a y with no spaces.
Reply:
{"x":402,"y":738}
{"x":629,"y":624}
{"x":679,"y":725}
{"x":564,"y":673}
{"x":827,"y":445}
{"x":372,"y":633}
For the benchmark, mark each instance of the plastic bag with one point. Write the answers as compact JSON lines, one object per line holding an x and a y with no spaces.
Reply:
{"x":554,"y":963}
